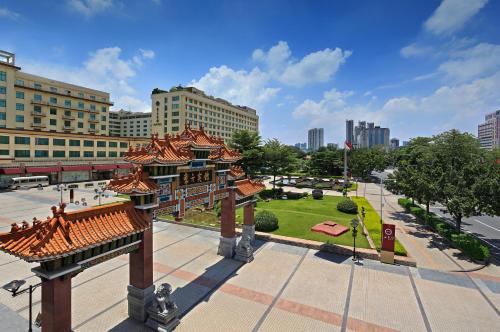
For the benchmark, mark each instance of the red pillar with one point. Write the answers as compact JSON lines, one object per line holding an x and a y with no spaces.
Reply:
{"x":228,"y":218}
{"x":248,"y":215}
{"x":56,"y":304}
{"x":141,"y":262}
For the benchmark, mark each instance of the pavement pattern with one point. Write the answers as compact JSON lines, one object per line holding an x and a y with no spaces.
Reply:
{"x":285,"y":288}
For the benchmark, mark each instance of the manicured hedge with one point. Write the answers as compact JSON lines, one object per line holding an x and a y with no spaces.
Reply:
{"x":465,"y":242}
{"x":269,"y":193}
{"x":347,"y":206}
{"x":292,"y":195}
{"x":266,"y":221}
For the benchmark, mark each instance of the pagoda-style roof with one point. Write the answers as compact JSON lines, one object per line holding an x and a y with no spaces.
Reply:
{"x":134,"y":183}
{"x":178,"y":149}
{"x":236,"y":172}
{"x":247,"y":187}
{"x":224,"y":154}
{"x":67,"y":233}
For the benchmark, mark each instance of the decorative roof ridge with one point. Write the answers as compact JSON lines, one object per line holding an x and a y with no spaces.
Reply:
{"x":93,"y":210}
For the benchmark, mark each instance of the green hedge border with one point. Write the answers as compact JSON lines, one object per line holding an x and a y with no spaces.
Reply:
{"x":467,"y":243}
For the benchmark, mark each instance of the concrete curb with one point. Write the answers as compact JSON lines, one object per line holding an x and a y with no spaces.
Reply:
{"x":315,"y":245}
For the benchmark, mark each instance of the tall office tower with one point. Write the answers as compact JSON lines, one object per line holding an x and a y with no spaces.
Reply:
{"x":302,"y":146}
{"x":349,"y":131}
{"x":380,"y":136}
{"x":315,"y":139}
{"x":394,"y":143}
{"x":370,"y":133}
{"x":488,"y":133}
{"x":130,"y":124}
{"x":180,"y":106}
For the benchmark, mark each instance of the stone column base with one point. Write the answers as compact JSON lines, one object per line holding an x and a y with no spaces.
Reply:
{"x":227,"y":246}
{"x":250,"y":230}
{"x":138,"y":301}
{"x":163,"y":322}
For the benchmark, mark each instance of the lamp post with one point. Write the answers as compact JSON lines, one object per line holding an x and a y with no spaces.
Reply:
{"x":61,"y":187}
{"x":100,"y":192}
{"x":14,"y":286}
{"x":354,"y":224}
{"x":381,"y":198}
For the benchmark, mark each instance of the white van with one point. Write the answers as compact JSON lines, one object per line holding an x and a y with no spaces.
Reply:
{"x":29,"y":182}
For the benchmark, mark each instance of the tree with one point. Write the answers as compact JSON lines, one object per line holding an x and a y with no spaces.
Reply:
{"x":363,"y":161}
{"x":326,"y":161}
{"x":278,"y":158}
{"x":248,"y":143}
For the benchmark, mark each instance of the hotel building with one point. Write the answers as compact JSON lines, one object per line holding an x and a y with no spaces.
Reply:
{"x":129,"y":124}
{"x":173,"y":109}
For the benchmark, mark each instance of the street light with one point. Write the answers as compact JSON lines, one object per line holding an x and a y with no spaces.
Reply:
{"x":61,"y":187}
{"x":14,"y":286}
{"x":99,"y":192}
{"x":354,"y":224}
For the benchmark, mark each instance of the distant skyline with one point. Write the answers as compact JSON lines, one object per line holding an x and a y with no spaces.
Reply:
{"x":416,"y":67}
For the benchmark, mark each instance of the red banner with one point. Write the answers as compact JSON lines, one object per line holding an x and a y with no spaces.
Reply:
{"x":388,"y":237}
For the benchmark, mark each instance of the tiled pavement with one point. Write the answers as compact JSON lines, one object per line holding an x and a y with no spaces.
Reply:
{"x":284,"y":289}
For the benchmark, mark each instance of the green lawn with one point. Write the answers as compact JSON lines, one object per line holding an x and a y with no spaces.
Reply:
{"x":372,"y":223}
{"x":296,"y":217}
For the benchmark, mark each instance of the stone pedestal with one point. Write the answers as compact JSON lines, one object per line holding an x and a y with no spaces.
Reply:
{"x":139,"y":300}
{"x":163,"y":322}
{"x":226,"y":246}
{"x":250,"y":230}
{"x":244,"y":250}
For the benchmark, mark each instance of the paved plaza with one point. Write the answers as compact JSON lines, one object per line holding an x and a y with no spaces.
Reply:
{"x":285,"y":288}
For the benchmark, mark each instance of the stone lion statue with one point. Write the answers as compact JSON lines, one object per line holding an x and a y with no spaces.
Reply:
{"x":163,"y":303}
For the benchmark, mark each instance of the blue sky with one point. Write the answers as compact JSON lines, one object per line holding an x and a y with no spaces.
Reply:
{"x":417,"y":67}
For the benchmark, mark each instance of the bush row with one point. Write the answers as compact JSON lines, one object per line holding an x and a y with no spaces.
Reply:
{"x":467,"y":243}
{"x":347,"y":206}
{"x":266,"y":221}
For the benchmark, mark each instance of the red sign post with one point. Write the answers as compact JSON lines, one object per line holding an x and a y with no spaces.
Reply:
{"x":388,"y":238}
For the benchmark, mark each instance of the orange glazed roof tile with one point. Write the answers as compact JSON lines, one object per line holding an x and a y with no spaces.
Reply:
{"x":236,"y":172}
{"x":163,"y":152}
{"x":248,"y":187}
{"x":137,"y":182}
{"x":196,"y":138}
{"x":224,"y":154}
{"x":68,"y":232}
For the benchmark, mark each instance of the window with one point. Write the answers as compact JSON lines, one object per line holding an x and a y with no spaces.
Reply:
{"x":175,"y":128}
{"x":92,"y":97}
{"x":4,"y":152}
{"x":4,"y":139}
{"x":67,"y":103}
{"x":22,"y":140}
{"x":53,"y":111}
{"x":53,"y":122}
{"x":175,"y":98}
{"x":58,"y":154}
{"x":92,"y":117}
{"x":74,"y":142}
{"x":3,"y":116}
{"x":52,"y":100}
{"x":3,"y":76}
{"x":101,"y":154}
{"x":22,"y":153}
{"x":92,"y":107}
{"x":37,"y":109}
{"x":3,"y":90}
{"x":81,"y":105}
{"x":103,"y":117}
{"x":80,"y":115}
{"x":113,"y":153}
{"x":41,"y":154}
{"x":113,"y":144}
{"x":37,"y":86}
{"x":59,"y":141}
{"x":53,"y":89}
{"x":19,"y":118}
{"x":37,"y":120}
{"x":41,"y":141}
{"x":175,"y":113}
{"x":123,"y":144}
{"x":80,"y":94}
{"x":67,"y":124}
{"x":3,"y":103}
{"x":19,"y":82}
{"x":88,"y":154}
{"x":101,"y":144}
{"x":103,"y":109}
{"x":176,"y":120}
{"x":80,"y":125}
{"x":67,"y":113}
{"x":74,"y":154}
{"x":175,"y":106}
{"x":88,"y":143}
{"x":92,"y":126}
{"x":38,"y":98}
{"x":103,"y":127}
{"x":19,"y":107}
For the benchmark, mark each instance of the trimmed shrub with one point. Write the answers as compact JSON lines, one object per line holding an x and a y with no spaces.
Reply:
{"x":269,"y":193}
{"x":317,"y":194}
{"x":471,"y":245}
{"x":292,"y":195}
{"x":347,"y":206}
{"x":266,"y":221}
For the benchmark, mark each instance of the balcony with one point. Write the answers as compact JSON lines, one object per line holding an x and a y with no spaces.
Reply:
{"x":94,"y":120}
{"x":39,"y":102}
{"x":37,"y":125}
{"x":68,"y":128}
{"x":93,"y":111}
{"x":68,"y":117}
{"x":33,"y":113}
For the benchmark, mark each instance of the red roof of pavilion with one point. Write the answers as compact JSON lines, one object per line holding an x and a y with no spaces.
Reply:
{"x":236,"y":172}
{"x":137,"y":182}
{"x":196,"y":138}
{"x":224,"y":154}
{"x":69,"y":232}
{"x":248,"y":187}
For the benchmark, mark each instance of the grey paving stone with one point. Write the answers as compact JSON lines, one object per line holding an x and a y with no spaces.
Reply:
{"x":445,"y":277}
{"x":298,"y":251}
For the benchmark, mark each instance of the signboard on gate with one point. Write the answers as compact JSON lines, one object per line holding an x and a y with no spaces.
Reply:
{"x":388,"y":237}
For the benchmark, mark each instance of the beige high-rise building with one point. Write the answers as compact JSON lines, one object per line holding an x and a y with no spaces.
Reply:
{"x":130,"y":124}
{"x":33,"y":102}
{"x":173,"y":109}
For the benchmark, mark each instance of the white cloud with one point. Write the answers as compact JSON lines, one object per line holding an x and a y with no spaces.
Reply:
{"x":237,"y":86}
{"x":451,"y":15}
{"x":104,"y":70}
{"x":147,"y":54}
{"x":415,"y":50}
{"x":478,"y":61}
{"x":90,"y":7}
{"x":318,"y":66}
{"x":5,"y":12}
